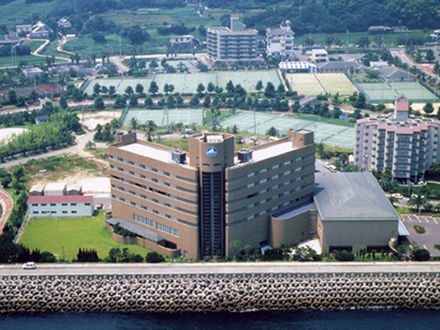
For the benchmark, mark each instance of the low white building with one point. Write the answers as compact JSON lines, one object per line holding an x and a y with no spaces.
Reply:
{"x":319,"y":55}
{"x":25,"y":28}
{"x":60,"y":206}
{"x":55,"y":189}
{"x":64,"y":23}
{"x":297,"y":67}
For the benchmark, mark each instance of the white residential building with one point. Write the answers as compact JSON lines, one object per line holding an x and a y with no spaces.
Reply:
{"x":64,"y":23}
{"x":319,"y":55}
{"x":25,"y":28}
{"x":279,"y":41}
{"x":232,"y":44}
{"x":60,"y":206}
{"x":405,"y":145}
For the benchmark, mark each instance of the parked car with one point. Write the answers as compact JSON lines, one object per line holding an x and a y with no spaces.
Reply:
{"x":398,"y":196}
{"x":30,"y":265}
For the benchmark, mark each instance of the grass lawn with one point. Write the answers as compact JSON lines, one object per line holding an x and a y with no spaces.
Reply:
{"x":434,"y":189}
{"x":30,"y":59}
{"x":335,"y":121}
{"x":51,"y":234}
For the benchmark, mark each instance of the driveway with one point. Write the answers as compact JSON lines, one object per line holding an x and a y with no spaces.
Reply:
{"x":432,"y":231}
{"x":80,"y":140}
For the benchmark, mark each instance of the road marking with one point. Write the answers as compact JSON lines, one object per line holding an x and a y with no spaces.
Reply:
{"x":426,"y":220}
{"x":435,"y":221}
{"x":424,"y":246}
{"x":420,"y":221}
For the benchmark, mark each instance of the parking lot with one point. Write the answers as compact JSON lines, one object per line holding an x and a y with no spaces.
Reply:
{"x":431,"y":235}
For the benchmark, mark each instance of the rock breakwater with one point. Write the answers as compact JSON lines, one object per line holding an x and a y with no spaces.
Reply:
{"x":218,"y":292}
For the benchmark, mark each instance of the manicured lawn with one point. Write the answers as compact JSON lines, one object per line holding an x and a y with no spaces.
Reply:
{"x":51,"y":234}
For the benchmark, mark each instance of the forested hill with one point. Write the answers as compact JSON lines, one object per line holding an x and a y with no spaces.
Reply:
{"x":307,"y":16}
{"x":339,"y":15}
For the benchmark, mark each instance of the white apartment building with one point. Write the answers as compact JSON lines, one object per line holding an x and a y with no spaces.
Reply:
{"x":279,"y":41}
{"x":232,"y":44}
{"x":404,"y":144}
{"x":319,"y":55}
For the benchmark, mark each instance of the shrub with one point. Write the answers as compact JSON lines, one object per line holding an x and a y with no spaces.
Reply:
{"x":280,"y":253}
{"x":419,"y":229}
{"x":47,"y":257}
{"x":154,"y":257}
{"x":86,"y":255}
{"x":344,"y":255}
{"x":420,"y":255}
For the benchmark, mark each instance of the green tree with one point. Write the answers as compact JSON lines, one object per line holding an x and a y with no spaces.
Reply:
{"x":97,"y":89}
{"x":111,"y":90}
{"x":206,"y":101}
{"x":99,"y":103}
{"x":133,"y":123}
{"x":419,"y":254}
{"x":148,"y":102}
{"x":430,"y":57}
{"x":154,"y":257}
{"x":428,"y":108}
{"x":63,"y":101}
{"x":18,"y":173}
{"x":417,"y":199}
{"x":129,"y":90}
{"x":12,"y":97}
{"x":269,"y":91}
{"x":272,"y":132}
{"x":259,"y":86}
{"x":153,"y":88}
{"x":215,"y":115}
{"x":139,"y":88}
{"x":200,"y":89}
{"x":133,"y":100}
{"x":211,"y":87}
{"x":230,"y":88}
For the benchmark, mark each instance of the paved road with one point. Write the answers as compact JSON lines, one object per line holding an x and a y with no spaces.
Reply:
{"x":81,"y":142}
{"x":7,"y":205}
{"x":222,"y":268}
{"x":428,"y":239}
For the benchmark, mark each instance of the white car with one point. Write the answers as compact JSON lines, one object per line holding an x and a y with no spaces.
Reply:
{"x":398,"y":196}
{"x":30,"y":265}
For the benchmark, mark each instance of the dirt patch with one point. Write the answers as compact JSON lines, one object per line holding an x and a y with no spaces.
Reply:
{"x":91,"y":119}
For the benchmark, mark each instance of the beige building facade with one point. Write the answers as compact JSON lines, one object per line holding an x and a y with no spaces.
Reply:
{"x":196,"y":204}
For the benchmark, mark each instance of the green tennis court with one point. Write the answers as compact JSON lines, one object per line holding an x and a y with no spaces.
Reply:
{"x":386,"y":92}
{"x":329,"y":134}
{"x":184,"y":116}
{"x":187,"y":83}
{"x":336,"y":83}
{"x":102,"y":82}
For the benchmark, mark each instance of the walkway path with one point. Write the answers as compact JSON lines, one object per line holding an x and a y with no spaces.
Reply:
{"x":7,"y":205}
{"x":224,"y":268}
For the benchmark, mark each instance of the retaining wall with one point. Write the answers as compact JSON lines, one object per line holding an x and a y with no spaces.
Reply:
{"x":218,"y":292}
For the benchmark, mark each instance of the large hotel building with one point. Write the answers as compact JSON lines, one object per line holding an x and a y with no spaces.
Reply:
{"x":404,"y":144}
{"x":232,"y":44}
{"x":196,"y":203}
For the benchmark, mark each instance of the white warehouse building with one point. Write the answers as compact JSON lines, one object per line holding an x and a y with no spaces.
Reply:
{"x":60,"y":206}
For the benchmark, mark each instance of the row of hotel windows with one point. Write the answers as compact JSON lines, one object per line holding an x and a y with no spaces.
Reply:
{"x":276,"y":166}
{"x":53,"y":212}
{"x":274,"y":208}
{"x":159,"y":226}
{"x":150,"y":189}
{"x":150,"y":179}
{"x":171,"y":175}
{"x":152,"y":200}
{"x":55,"y":204}
{"x":147,"y":208}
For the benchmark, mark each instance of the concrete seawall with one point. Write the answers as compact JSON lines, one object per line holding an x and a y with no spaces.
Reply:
{"x":194,"y":291}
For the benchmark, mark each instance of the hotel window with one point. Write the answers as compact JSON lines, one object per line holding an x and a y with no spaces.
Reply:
{"x":72,"y":204}
{"x":53,"y":204}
